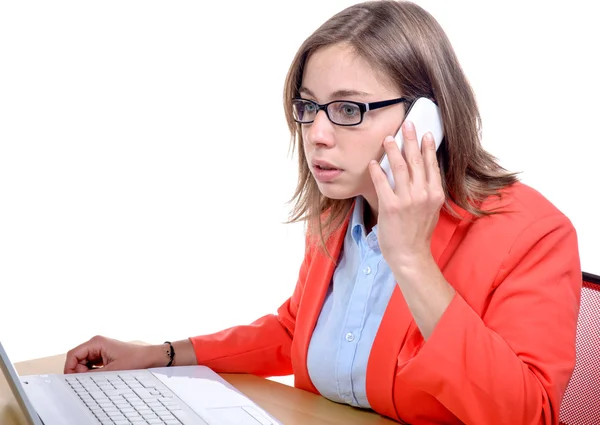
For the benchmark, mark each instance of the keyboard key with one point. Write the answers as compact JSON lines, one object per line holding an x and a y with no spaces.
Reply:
{"x":103,"y":418}
{"x":147,"y":384}
{"x":166,"y":416}
{"x":132,"y":415}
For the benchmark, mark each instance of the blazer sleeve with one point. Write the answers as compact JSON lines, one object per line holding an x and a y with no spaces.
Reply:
{"x":511,"y":365}
{"x":262,"y":348}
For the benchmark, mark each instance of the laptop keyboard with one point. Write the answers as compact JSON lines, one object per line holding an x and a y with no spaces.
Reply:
{"x":127,"y":398}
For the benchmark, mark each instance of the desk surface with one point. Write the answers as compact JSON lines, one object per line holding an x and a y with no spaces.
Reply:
{"x":289,"y":405}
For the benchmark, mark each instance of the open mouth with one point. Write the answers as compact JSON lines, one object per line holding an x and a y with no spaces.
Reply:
{"x":325,"y":172}
{"x":322,"y":167}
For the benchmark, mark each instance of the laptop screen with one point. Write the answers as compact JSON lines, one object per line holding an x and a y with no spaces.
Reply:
{"x":24,"y":408}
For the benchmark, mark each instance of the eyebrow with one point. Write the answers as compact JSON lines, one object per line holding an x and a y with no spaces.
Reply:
{"x":336,"y":94}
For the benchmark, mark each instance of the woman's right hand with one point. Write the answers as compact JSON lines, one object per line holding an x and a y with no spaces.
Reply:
{"x":101,"y":353}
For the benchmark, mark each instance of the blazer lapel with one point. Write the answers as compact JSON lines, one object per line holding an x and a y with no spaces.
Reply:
{"x":398,"y":331}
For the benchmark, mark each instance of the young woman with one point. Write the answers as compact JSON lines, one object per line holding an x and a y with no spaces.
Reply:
{"x":452,"y":298}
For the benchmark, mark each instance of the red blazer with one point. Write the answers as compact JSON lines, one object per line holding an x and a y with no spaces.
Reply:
{"x":503,"y":351}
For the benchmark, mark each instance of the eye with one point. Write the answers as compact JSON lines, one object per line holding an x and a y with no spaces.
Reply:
{"x":348,"y":109}
{"x":309,"y":107}
{"x":303,"y":110}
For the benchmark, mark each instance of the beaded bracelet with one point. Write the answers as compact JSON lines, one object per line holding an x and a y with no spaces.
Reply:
{"x":170,"y":353}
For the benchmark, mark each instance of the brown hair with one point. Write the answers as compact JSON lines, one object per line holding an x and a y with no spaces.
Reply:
{"x":407,"y":44}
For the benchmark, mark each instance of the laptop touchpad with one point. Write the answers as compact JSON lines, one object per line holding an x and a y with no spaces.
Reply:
{"x":246,"y":415}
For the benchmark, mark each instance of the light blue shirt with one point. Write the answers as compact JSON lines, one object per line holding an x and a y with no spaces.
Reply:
{"x":356,"y":300}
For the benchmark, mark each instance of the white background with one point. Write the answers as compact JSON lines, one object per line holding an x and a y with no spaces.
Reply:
{"x":138,"y":201}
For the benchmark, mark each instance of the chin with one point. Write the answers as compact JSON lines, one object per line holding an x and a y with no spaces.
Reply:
{"x":335,"y":191}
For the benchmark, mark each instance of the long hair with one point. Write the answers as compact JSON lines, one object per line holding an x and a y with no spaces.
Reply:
{"x":408,"y":45}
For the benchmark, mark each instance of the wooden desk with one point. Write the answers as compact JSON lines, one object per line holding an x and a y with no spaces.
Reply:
{"x":289,"y":405}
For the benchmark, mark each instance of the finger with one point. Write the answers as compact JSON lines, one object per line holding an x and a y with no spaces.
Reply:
{"x":80,"y":368}
{"x":432,"y":167}
{"x":434,"y":176}
{"x":412,"y":153}
{"x":398,"y":165}
{"x":73,"y":360}
{"x":382,"y":187}
{"x":81,"y":356}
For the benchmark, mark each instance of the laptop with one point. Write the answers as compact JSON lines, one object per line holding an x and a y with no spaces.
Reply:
{"x":178,"y":395}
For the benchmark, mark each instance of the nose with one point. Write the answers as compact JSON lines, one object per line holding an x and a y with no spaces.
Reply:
{"x":321,"y":131}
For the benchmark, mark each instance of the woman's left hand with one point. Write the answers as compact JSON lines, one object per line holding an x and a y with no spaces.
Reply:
{"x":408,"y":214}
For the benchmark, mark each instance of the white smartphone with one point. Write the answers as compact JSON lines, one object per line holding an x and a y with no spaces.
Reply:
{"x":426,"y":117}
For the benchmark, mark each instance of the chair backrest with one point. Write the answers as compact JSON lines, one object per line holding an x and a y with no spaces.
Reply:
{"x":581,"y":402}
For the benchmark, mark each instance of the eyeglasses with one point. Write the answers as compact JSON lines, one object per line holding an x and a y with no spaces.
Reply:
{"x":339,"y":112}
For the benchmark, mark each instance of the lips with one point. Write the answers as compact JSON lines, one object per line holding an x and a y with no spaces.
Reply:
{"x":325,"y":172}
{"x":324,"y":165}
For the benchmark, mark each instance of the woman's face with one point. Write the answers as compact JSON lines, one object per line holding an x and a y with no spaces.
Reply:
{"x":338,"y":157}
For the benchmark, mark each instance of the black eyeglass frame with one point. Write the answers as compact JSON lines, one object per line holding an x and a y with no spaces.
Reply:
{"x":363,"y":108}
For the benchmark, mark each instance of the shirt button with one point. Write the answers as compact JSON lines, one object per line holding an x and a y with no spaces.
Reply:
{"x":367,"y":270}
{"x":349,"y":337}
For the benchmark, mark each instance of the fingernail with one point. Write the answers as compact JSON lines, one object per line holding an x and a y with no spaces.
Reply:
{"x":389,"y":139}
{"x":408,"y":125}
{"x":429,"y":136}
